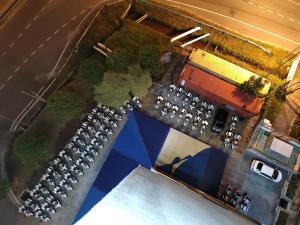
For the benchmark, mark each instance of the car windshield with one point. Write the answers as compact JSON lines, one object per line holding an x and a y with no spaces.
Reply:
{"x":275,"y":174}
{"x":259,"y":166}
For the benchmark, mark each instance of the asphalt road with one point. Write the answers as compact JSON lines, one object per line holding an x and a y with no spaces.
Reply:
{"x":31,"y":42}
{"x":276,"y":21}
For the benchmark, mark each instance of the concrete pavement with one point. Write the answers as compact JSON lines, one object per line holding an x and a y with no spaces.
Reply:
{"x":276,"y":22}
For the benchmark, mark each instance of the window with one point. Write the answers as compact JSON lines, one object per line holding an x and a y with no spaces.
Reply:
{"x":259,"y":166}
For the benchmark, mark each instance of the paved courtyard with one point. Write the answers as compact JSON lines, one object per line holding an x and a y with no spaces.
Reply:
{"x":264,"y":194}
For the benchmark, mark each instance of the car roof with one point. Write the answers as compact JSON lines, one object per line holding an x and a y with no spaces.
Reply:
{"x":267,"y":170}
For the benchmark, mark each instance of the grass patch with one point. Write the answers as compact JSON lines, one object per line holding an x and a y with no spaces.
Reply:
{"x":228,"y":44}
{"x":133,"y":37}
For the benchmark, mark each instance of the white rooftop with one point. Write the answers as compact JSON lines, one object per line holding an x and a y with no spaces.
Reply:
{"x":148,"y":198}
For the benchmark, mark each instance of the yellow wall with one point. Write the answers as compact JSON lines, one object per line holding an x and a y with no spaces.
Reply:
{"x":224,"y":69}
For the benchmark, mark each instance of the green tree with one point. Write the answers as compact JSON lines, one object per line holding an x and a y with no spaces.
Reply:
{"x":118,"y":60}
{"x":3,"y":189}
{"x":149,"y":59}
{"x":32,"y":149}
{"x":91,"y":70}
{"x":66,"y":105}
{"x":115,"y":88}
{"x":252,"y":86}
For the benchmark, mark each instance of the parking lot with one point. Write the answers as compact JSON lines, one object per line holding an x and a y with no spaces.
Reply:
{"x":193,"y":115}
{"x":264,"y":194}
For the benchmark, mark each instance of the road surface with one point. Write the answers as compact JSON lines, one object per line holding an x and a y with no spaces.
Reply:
{"x":31,"y":42}
{"x":32,"y":38}
{"x":276,"y":21}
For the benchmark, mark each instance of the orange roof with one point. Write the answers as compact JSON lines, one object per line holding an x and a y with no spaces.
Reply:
{"x":219,"y":91}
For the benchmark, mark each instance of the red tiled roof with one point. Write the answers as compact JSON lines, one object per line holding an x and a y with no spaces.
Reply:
{"x":219,"y":91}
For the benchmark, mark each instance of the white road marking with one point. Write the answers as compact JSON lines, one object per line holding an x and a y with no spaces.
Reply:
{"x":41,"y":45}
{"x":64,"y":25}
{"x":294,"y":2}
{"x":25,"y":61}
{"x":17,"y":69}
{"x":33,"y":53}
{"x":35,"y":18}
{"x":280,"y":15}
{"x":73,"y":18}
{"x":43,"y":9}
{"x":259,"y":6}
{"x":83,"y":11}
{"x":251,"y":3}
{"x":11,"y":76}
{"x":11,"y":44}
{"x":269,"y":10}
{"x":28,"y":26}
{"x":291,"y":20}
{"x":240,"y":21}
{"x":20,"y":35}
{"x":49,"y":38}
{"x":2,"y":86}
{"x":56,"y":32}
{"x":3,"y":54}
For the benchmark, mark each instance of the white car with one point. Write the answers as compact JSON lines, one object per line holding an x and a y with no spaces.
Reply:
{"x":266,"y":171}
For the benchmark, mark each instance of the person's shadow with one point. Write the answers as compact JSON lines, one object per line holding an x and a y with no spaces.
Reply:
{"x":168,"y":168}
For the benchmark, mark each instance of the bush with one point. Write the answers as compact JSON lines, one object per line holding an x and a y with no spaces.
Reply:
{"x":115,"y":88}
{"x":91,"y":70}
{"x":33,"y":145}
{"x":134,"y":36}
{"x":118,"y":60}
{"x":252,"y":86}
{"x":66,"y":105}
{"x":149,"y":59}
{"x":272,"y":107}
{"x":295,"y":129}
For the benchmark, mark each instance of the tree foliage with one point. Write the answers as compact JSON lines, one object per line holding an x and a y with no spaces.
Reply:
{"x":91,"y":70}
{"x":65,"y":105}
{"x":32,"y":149}
{"x":118,"y":60}
{"x":149,"y":59}
{"x":252,"y":86}
{"x":115,"y":88}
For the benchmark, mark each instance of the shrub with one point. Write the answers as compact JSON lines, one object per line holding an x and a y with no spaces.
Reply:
{"x":149,"y":59}
{"x":118,"y":60}
{"x":134,"y":36}
{"x":66,"y":105}
{"x":91,"y":70}
{"x":295,"y":129}
{"x":252,"y":86}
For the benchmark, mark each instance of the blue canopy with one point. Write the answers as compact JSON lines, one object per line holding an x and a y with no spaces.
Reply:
{"x":139,"y":143}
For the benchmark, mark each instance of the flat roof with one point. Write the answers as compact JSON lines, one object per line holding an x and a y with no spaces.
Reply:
{"x":224,"y":69}
{"x":219,"y":91}
{"x":149,"y":198}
